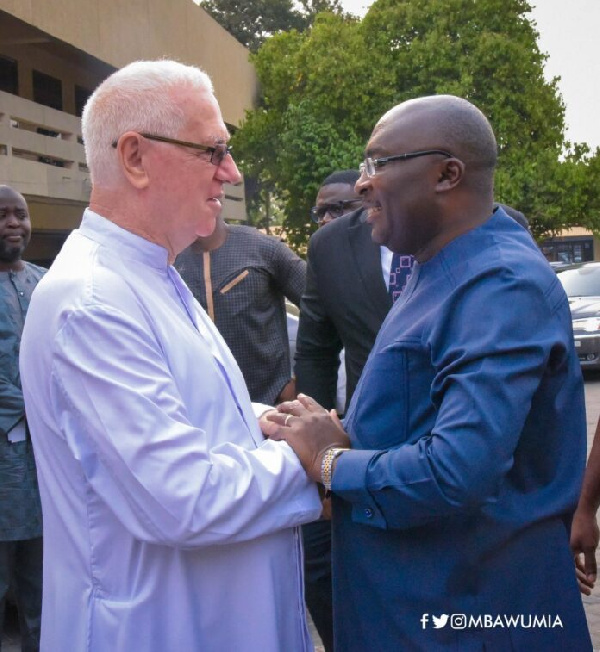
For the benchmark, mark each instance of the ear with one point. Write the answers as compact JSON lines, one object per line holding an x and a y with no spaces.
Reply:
{"x":130,"y":150}
{"x":450,"y":174}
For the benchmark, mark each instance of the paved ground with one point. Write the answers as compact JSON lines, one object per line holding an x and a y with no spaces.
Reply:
{"x":10,"y":642}
{"x":316,"y":640}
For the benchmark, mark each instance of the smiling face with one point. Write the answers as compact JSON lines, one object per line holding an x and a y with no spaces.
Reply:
{"x":15,"y":228}
{"x":186,"y":187}
{"x":205,"y":125}
{"x":402,"y":197}
{"x":417,"y":205}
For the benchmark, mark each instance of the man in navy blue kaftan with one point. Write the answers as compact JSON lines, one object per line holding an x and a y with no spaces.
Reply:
{"x":454,"y":491}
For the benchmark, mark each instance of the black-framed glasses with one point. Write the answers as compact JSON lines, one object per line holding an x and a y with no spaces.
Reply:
{"x":217,"y":153}
{"x":370,"y":165}
{"x":335,"y":210}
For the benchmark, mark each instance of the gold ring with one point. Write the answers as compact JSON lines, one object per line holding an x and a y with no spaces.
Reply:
{"x":287,"y":418}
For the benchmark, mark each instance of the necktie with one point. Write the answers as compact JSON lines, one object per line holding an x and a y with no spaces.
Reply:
{"x":399,"y":274}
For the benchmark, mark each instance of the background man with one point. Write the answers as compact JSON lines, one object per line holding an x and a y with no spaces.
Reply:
{"x":345,"y":301}
{"x":336,"y":197}
{"x":455,"y":490}
{"x":346,"y":297}
{"x":242,"y":277}
{"x":517,"y":216}
{"x":584,"y":531}
{"x":20,"y":509}
{"x":168,"y":520}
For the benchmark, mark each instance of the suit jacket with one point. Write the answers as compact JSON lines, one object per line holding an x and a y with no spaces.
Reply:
{"x":343,"y":306}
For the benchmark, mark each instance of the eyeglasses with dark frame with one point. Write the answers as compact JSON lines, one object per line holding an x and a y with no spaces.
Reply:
{"x":217,"y":153}
{"x":370,"y":165}
{"x":335,"y":210}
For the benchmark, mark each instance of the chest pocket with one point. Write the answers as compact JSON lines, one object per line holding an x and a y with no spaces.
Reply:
{"x":392,"y":405}
{"x":245,"y":289}
{"x":231,"y":284}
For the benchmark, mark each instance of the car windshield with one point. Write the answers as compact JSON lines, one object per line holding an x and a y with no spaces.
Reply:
{"x":581,"y":282}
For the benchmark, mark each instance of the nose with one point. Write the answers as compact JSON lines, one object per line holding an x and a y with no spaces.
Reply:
{"x":362,"y":183}
{"x":12,"y":220}
{"x":228,"y":171}
{"x":326,"y":218}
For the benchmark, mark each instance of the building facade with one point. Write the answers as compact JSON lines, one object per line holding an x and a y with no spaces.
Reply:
{"x":575,"y":245}
{"x":53,"y":55}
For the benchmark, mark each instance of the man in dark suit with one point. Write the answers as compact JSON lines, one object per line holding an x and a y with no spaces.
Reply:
{"x":345,"y":301}
{"x":346,"y":298}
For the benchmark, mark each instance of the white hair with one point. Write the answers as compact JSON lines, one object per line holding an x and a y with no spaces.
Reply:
{"x":135,"y":98}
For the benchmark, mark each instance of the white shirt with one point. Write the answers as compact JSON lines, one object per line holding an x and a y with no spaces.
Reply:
{"x":168,"y":521}
{"x":386,"y":264}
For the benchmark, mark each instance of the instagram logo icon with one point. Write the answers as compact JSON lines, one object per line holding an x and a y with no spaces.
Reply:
{"x":458,"y":621}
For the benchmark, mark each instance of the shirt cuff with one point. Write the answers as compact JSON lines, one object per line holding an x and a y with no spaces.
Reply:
{"x":261,"y":408}
{"x":349,"y":482}
{"x":18,"y":432}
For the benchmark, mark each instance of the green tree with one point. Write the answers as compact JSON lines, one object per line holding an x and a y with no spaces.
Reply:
{"x":304,"y":126}
{"x":324,"y":89}
{"x":555,"y":193}
{"x":252,"y":22}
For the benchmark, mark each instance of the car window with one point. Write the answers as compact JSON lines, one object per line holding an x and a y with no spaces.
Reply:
{"x":582,"y":282}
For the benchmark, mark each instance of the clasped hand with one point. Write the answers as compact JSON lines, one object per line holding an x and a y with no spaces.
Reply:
{"x":308,"y":428}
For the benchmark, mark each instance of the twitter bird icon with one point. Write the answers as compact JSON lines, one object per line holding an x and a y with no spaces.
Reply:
{"x":441,"y":621}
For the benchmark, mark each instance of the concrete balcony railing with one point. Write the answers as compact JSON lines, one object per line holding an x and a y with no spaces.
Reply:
{"x":41,"y":152}
{"x":42,"y":155}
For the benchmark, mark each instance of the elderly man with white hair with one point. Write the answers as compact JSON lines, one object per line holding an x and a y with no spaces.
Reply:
{"x":169,"y":523}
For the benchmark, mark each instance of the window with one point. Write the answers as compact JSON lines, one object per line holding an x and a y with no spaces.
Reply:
{"x":568,"y":250}
{"x":47,"y":90}
{"x":9,"y":76}
{"x":81,"y":97}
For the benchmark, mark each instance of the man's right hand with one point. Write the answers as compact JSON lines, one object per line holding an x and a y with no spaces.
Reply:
{"x":584,"y":541}
{"x":309,"y":429}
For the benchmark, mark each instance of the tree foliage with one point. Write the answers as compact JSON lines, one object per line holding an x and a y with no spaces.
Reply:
{"x":252,"y":22}
{"x":324,"y":89}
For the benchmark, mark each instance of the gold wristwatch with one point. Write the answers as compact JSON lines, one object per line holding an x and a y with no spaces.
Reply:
{"x":327,"y":465}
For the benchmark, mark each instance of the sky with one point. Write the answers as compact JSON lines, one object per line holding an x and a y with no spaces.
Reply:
{"x":567,"y":29}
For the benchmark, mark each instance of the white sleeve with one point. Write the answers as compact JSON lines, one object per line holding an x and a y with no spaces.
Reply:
{"x":120,"y":411}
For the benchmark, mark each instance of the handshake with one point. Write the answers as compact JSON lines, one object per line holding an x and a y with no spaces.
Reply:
{"x":311,"y":431}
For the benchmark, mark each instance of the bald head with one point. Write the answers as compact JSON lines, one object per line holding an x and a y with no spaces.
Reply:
{"x":453,"y":124}
{"x":429,"y":175}
{"x":6,"y":192}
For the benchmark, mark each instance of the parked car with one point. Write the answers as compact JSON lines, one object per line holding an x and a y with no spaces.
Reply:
{"x":560,"y":265}
{"x":582,"y":285}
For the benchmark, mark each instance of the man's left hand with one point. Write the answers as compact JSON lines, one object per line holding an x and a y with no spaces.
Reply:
{"x":584,"y":541}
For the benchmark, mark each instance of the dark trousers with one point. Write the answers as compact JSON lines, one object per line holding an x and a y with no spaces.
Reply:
{"x":317,"y":578}
{"x":21,"y":565}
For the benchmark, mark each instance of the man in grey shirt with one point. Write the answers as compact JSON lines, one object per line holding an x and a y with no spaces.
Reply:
{"x":20,"y":510}
{"x":241,"y":277}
